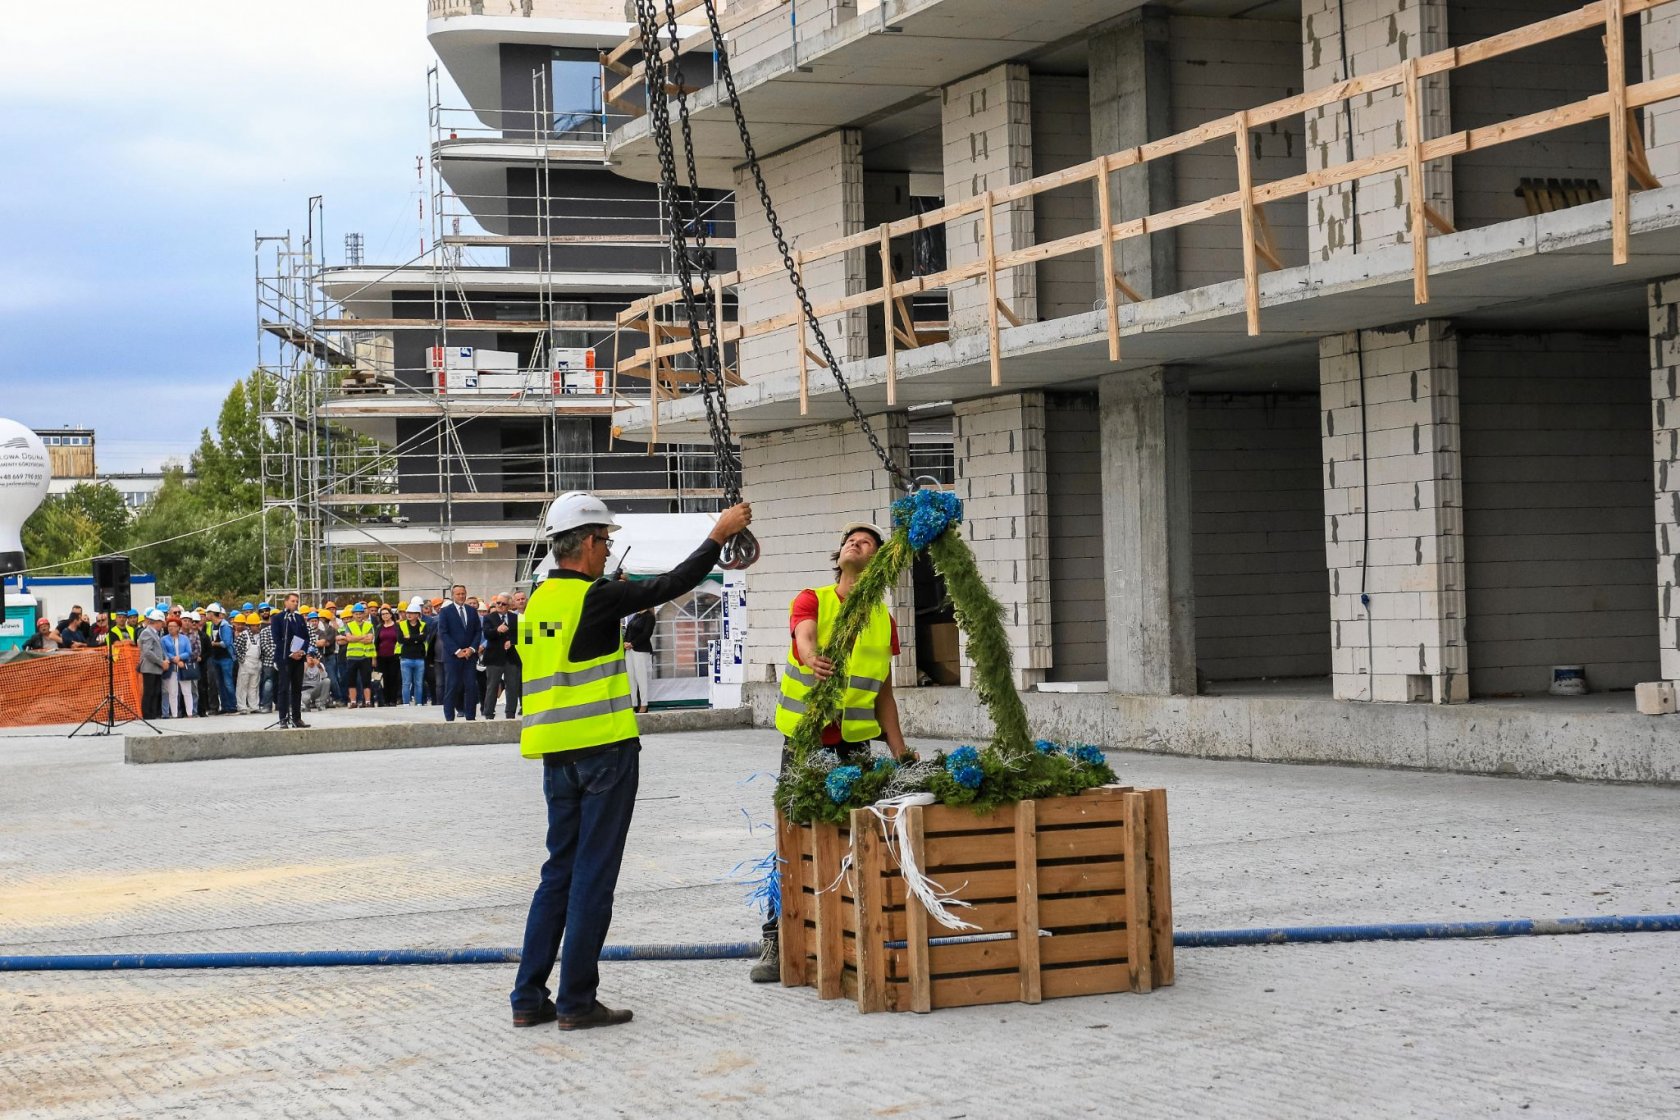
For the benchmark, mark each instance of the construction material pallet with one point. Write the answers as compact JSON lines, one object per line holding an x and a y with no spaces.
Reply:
{"x":1072,"y":896}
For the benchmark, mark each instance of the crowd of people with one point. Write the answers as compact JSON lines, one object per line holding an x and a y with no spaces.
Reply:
{"x":460,"y":654}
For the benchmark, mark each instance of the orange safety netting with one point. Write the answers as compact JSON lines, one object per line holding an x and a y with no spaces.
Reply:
{"x":67,"y":686}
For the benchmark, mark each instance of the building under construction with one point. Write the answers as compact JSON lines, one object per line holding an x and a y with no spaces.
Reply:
{"x":1305,"y":360}
{"x":423,"y":413}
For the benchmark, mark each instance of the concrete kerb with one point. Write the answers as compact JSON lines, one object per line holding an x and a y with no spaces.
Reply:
{"x":389,"y":736}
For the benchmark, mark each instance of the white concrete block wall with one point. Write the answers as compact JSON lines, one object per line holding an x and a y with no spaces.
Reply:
{"x":1219,"y":66}
{"x":1659,"y":33}
{"x":1408,"y":642}
{"x":818,"y":191}
{"x":1257,"y":512}
{"x":1001,"y":479}
{"x":1558,"y":545}
{"x":1061,"y":137}
{"x":986,"y":127}
{"x":1380,"y":33}
{"x":805,"y":484}
{"x":1555,"y":73}
{"x":1664,"y":299}
{"x":1078,"y":607}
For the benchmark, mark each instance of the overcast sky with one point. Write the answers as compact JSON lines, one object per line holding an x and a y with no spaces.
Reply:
{"x":145,"y":144}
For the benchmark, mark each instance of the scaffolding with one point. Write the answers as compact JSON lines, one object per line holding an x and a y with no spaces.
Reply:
{"x":371,"y":432}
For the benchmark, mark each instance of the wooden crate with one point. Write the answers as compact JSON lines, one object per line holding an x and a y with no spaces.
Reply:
{"x":1090,"y":870}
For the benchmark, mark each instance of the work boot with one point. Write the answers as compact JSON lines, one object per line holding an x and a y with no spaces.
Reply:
{"x":768,"y":970}
{"x":598,"y":1015}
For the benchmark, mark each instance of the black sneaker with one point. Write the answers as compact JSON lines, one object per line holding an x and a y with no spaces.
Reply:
{"x":299,"y":723}
{"x":596,"y":1016}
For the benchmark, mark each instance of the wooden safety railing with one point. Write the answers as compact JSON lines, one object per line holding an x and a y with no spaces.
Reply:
{"x":1618,"y":106}
{"x":730,"y":17}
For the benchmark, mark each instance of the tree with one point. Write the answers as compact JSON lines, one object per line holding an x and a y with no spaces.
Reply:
{"x":88,"y":520}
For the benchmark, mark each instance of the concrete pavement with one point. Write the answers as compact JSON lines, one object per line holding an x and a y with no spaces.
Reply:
{"x":439,"y":848}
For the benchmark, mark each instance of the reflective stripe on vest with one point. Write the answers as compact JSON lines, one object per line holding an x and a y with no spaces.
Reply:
{"x":366,"y":629}
{"x":569,"y":705}
{"x":869,"y":664}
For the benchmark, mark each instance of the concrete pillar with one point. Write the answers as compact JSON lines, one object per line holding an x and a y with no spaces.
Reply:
{"x":1380,"y":33}
{"x":1148,"y":584}
{"x":805,"y":483}
{"x":1001,"y":479}
{"x":1664,"y":298}
{"x":1131,"y":84}
{"x":818,"y":188}
{"x":1391,"y":460}
{"x":1660,"y":58}
{"x":987,"y":131}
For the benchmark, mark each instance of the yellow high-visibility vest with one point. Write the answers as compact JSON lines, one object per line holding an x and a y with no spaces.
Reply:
{"x":359,"y":630}
{"x":569,"y":705}
{"x":869,"y":665}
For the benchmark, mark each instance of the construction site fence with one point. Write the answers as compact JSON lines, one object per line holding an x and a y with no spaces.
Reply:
{"x":67,"y":686}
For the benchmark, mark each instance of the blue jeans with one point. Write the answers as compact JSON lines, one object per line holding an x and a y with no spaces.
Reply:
{"x":413,"y":679}
{"x":589,"y":808}
{"x":460,"y":687}
{"x":223,"y":670}
{"x":266,"y":702}
{"x":333,"y":663}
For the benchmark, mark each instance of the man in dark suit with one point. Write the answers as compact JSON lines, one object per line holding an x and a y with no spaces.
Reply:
{"x":460,"y":632}
{"x":501,"y":659}
{"x":291,"y":644}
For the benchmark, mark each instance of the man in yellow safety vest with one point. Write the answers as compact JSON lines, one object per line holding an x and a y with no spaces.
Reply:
{"x":578,"y":720}
{"x":868,"y":710}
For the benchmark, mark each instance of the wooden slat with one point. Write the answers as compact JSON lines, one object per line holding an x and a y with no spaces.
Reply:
{"x":1245,"y":186}
{"x":1414,"y":182}
{"x":792,"y":924}
{"x":1026,"y":898}
{"x":968,"y":849}
{"x":1105,"y":222}
{"x":1616,"y":54}
{"x":1105,"y":946}
{"x":1265,"y":244}
{"x":1096,"y":842}
{"x":867,"y":863}
{"x":1639,"y":166}
{"x":1088,"y":981}
{"x":976,"y":956}
{"x":991,"y":292}
{"x":916,"y":926}
{"x":1138,"y":972}
{"x":1091,"y":910}
{"x":973,"y":991}
{"x":891,"y":327}
{"x":1160,"y":887}
{"x":1094,"y":806}
{"x":942,"y":820}
{"x":830,"y":932}
{"x":1008,"y":313}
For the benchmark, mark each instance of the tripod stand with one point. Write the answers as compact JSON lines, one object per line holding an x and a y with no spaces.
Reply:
{"x":104,"y":714}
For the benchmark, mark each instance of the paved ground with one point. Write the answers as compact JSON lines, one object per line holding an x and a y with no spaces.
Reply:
{"x":439,"y":847}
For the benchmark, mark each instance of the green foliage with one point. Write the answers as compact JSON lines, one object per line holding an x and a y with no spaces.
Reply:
{"x":1012,"y":767}
{"x":88,"y":520}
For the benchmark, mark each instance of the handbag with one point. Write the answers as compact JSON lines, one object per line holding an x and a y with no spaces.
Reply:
{"x":187,"y":672}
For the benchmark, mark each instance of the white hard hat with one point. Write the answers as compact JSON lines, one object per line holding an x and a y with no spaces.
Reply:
{"x":575,"y":509}
{"x":193,"y":616}
{"x":415,"y":604}
{"x":154,"y":615}
{"x":215,"y":608}
{"x":854,"y":526}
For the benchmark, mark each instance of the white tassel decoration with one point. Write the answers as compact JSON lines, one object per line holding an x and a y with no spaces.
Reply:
{"x":895,"y":826}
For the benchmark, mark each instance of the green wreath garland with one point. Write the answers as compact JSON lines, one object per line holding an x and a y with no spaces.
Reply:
{"x":1013,"y":767}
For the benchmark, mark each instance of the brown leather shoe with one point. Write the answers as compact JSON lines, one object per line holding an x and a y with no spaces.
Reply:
{"x":596,"y":1016}
{"x":544,"y":1014}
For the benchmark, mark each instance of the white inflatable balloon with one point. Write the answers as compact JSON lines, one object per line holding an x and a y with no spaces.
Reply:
{"x":25,"y":471}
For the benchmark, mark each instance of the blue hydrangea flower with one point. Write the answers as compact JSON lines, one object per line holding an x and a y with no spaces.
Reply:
{"x":968,"y":776}
{"x":886,"y":764}
{"x":1088,"y":755}
{"x":840,"y":782}
{"x":925,"y":514}
{"x":962,"y":756}
{"x":1045,"y":746}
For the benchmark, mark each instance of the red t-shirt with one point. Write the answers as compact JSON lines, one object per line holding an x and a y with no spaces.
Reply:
{"x":805,"y":607}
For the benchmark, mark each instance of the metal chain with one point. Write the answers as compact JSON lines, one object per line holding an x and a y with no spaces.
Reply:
{"x":741,"y":550}
{"x":727,"y":74}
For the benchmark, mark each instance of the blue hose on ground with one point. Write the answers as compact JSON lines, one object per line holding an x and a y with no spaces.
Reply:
{"x":1184,"y":939}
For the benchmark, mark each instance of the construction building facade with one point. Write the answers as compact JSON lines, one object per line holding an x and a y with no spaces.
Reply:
{"x":1309,"y":366}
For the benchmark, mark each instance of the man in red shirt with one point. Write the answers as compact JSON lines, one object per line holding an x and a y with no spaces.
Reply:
{"x":810,"y":619}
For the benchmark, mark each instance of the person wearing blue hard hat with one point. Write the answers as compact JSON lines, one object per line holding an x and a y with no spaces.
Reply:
{"x":248,"y":607}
